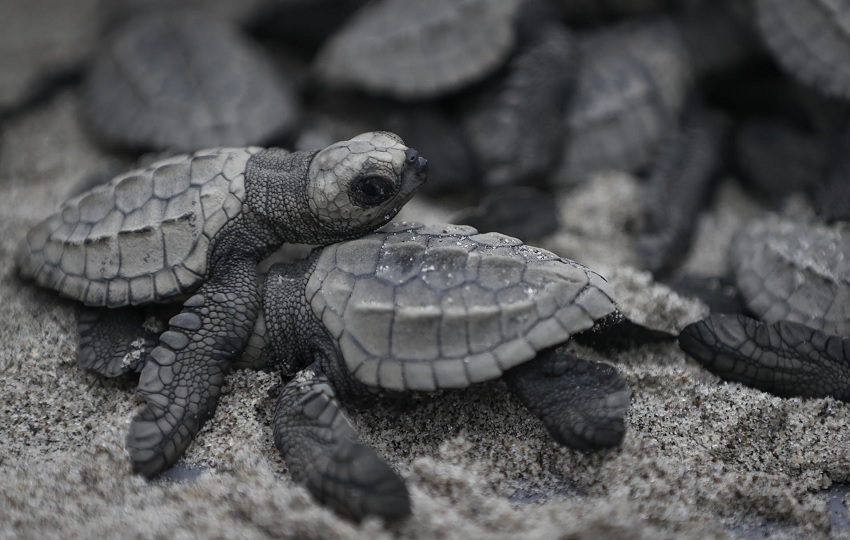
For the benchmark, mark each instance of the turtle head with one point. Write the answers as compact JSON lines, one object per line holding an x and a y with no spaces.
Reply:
{"x":344,"y":191}
{"x":357,"y":185}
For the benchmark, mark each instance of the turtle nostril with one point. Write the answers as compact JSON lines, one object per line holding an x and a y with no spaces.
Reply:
{"x":411,"y":156}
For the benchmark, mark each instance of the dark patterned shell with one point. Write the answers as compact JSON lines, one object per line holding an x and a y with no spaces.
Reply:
{"x":412,"y":49}
{"x":180,"y":80}
{"x":631,"y":87}
{"x":811,"y":39}
{"x":142,"y":237}
{"x":797,"y":272}
{"x":423,"y":307}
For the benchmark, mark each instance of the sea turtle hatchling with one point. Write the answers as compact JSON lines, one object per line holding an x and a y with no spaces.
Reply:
{"x":179,"y":79}
{"x":414,"y":50}
{"x":795,"y":277}
{"x":193,"y":228}
{"x":422,"y":308}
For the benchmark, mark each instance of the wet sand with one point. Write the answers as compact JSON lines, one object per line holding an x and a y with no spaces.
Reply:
{"x":701,"y":458}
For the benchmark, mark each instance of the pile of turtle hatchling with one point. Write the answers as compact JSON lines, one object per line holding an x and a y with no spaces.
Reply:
{"x":510,"y":109}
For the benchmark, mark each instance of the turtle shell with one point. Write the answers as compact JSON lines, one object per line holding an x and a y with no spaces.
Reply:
{"x":142,"y":237}
{"x":182,"y":80}
{"x":811,"y":39}
{"x":794,"y":271}
{"x":416,"y":307}
{"x":411,"y":49}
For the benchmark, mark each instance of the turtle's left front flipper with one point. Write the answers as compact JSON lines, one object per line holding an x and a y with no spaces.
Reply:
{"x":784,"y":358}
{"x":581,"y":403}
{"x":321,"y":449}
{"x":182,"y":379}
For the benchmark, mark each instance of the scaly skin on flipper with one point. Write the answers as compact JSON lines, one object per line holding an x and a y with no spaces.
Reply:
{"x":784,"y":358}
{"x":198,"y":225}
{"x":321,"y":448}
{"x":581,"y":403}
{"x":182,"y":379}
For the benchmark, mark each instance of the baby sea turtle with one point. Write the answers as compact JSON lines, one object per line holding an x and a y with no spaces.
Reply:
{"x":410,"y":49}
{"x":422,"y":308}
{"x":196,"y":226}
{"x":182,"y":80}
{"x":631,"y":85}
{"x":796,"y":279}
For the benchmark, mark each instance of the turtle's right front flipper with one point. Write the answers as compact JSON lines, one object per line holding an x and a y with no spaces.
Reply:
{"x":322,"y":450}
{"x":581,"y":403}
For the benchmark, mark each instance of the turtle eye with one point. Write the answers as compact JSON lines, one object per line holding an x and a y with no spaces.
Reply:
{"x":372,"y":190}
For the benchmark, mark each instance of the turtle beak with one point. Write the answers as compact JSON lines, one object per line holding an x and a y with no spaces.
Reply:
{"x":419,"y":164}
{"x":414,"y":173}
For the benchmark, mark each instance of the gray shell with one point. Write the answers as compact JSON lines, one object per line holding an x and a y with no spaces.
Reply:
{"x":424,"y":307}
{"x":181,"y":80}
{"x":791,"y":271}
{"x":632,"y":82}
{"x":412,"y":49}
{"x":811,"y":39}
{"x":142,"y":237}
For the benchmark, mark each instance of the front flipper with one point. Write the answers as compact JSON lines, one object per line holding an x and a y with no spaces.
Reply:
{"x":182,"y":379}
{"x":113,"y":342}
{"x":581,"y":403}
{"x":321,"y":449}
{"x":784,"y":358}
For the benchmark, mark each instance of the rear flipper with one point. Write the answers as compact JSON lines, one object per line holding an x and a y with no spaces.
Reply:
{"x":783,"y":358}
{"x":321,"y":449}
{"x":113,"y":342}
{"x":581,"y":403}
